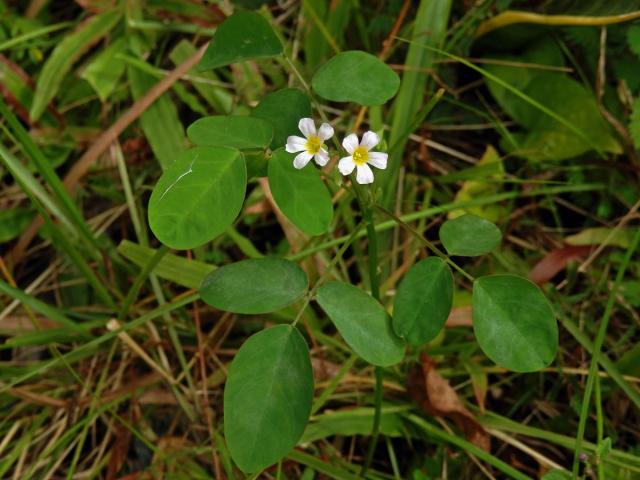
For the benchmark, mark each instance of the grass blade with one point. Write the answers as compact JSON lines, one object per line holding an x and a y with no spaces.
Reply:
{"x":66,"y":54}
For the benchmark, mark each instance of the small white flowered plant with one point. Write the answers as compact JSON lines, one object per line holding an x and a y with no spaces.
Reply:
{"x":361,"y":157}
{"x":310,"y":146}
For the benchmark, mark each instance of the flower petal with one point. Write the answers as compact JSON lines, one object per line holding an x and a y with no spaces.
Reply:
{"x":322,"y":157}
{"x":370,"y":140}
{"x":346,"y":165}
{"x":378,"y":159}
{"x":295,"y":144}
{"x":307,"y":127}
{"x":325,"y":132}
{"x":350,"y":143}
{"x":302,"y":159}
{"x":364,"y":174}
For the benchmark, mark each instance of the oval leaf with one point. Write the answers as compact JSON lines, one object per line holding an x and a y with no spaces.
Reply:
{"x":258,"y":285}
{"x":469,"y":236}
{"x":231,"y":131}
{"x":267,"y":397}
{"x":358,"y":77}
{"x":300,"y":194}
{"x":363,"y":323}
{"x":514,"y":323}
{"x":423,"y":301}
{"x":242,"y":36}
{"x":198,"y":196}
{"x":283,"y":109}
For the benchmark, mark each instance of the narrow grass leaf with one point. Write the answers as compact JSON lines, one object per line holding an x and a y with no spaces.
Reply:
{"x":47,"y":310}
{"x":634,"y":123}
{"x":257,"y":285}
{"x":50,"y":177}
{"x":328,"y":469}
{"x":179,"y":270}
{"x":105,"y":70}
{"x":33,"y":187}
{"x":160,"y":122}
{"x":557,"y":475}
{"x":205,"y":83}
{"x":267,"y":397}
{"x":66,"y":53}
{"x":352,"y":421}
{"x":430,"y":26}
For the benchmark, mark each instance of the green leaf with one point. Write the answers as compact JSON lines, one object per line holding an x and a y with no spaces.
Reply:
{"x":283,"y":109}
{"x":217,"y":96}
{"x":545,"y":137}
{"x":13,"y":221}
{"x":423,"y":301}
{"x":160,"y":122}
{"x":105,"y":70}
{"x":198,"y":196}
{"x":350,"y":422}
{"x":615,"y":237}
{"x":482,"y":180}
{"x":469,"y":236}
{"x":19,"y":87}
{"x":257,"y":285}
{"x":242,"y":36}
{"x":363,"y":323}
{"x":557,"y":475}
{"x":300,"y":194}
{"x":358,"y":77}
{"x":231,"y":131}
{"x":633,"y":39}
{"x":634,"y":123}
{"x":514,"y":323}
{"x":267,"y":397}
{"x":66,"y":53}
{"x":179,"y":270}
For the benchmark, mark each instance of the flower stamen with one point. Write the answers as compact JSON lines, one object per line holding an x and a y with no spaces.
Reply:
{"x":360,"y":156}
{"x":313,"y":145}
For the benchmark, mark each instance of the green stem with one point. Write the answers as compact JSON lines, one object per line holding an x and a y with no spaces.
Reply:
{"x":607,"y":364}
{"x":139,"y":281}
{"x":373,"y":256}
{"x":600,"y":427}
{"x":476,"y":202}
{"x":375,"y":430}
{"x":333,"y":384}
{"x":595,"y":356}
{"x":327,"y":272}
{"x":375,"y":293}
{"x":466,"y":446}
{"x":85,"y":349}
{"x":426,"y":242}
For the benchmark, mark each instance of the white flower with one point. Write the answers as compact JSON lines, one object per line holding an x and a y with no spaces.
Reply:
{"x":310,"y":146}
{"x":361,"y":157}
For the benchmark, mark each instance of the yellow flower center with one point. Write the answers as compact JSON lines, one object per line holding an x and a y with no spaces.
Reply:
{"x":360,"y":156}
{"x":314,"y":144}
